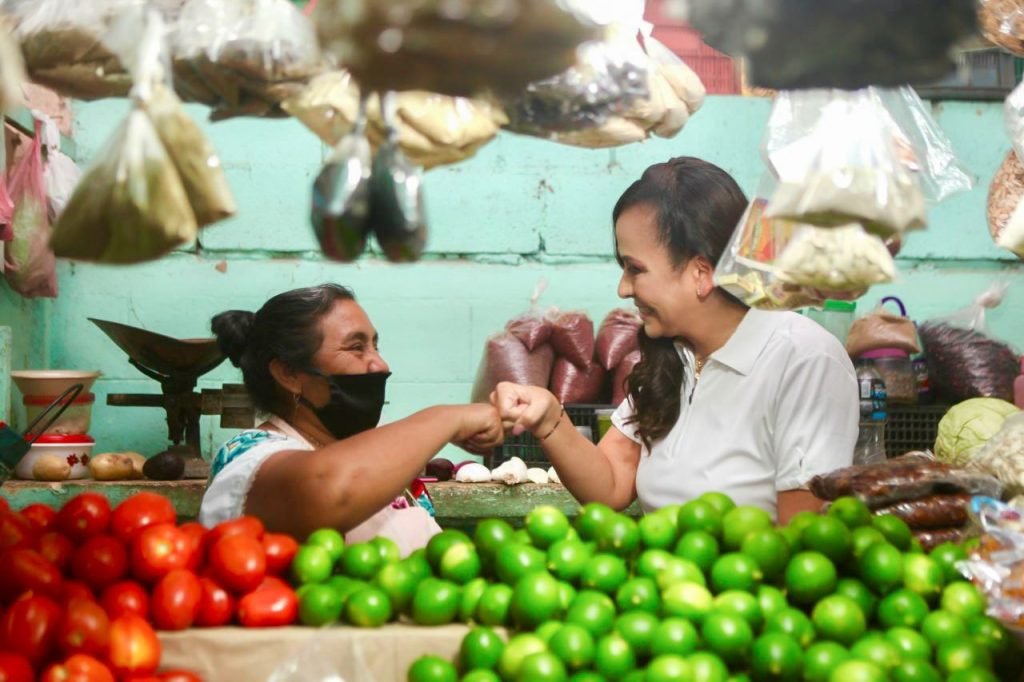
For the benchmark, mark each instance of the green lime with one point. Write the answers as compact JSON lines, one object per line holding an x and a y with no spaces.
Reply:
{"x":895,"y":530}
{"x":769,"y":548}
{"x":792,"y":537}
{"x":700,"y":515}
{"x":962,"y":654}
{"x":923,"y":575}
{"x":604,"y":572}
{"x":729,"y":636}
{"x":398,"y":580}
{"x":567,"y":559}
{"x":800,"y":520}
{"x":821,"y":658}
{"x":881,"y":568}
{"x":973,"y":675}
{"x":963,"y":599}
{"x":839,"y":618}
{"x":344,"y":586}
{"x":519,"y":647}
{"x":942,"y":626}
{"x":587,"y":676}
{"x":679,"y":570}
{"x":439,"y":544}
{"x":613,"y":657}
{"x":915,"y":670}
{"x":669,"y":668}
{"x":771,"y":600}
{"x":915,"y":546}
{"x":436,"y":602}
{"x":431,"y":669}
{"x":735,"y":571}
{"x":546,"y":525}
{"x":902,"y":607}
{"x":360,"y":561}
{"x":742,"y":604}
{"x":591,"y":517}
{"x":535,"y":599}
{"x":574,"y":646}
{"x":312,"y":564}
{"x":548,"y":629}
{"x":858,"y":671}
{"x":387,"y":548}
{"x":651,"y":562}
{"x":947,"y":555}
{"x":792,"y":622}
{"x":594,"y":611}
{"x":698,"y":546}
{"x":460,"y":563}
{"x":657,"y":531}
{"x":637,"y":628}
{"x":495,"y":603}
{"x":618,"y":535}
{"x":858,"y":592}
{"x":638,"y":594}
{"x":480,"y":676}
{"x":740,"y":522}
{"x":830,"y":536}
{"x":721,"y":502}
{"x":480,"y":650}
{"x":469,"y":601}
{"x":775,"y":656}
{"x":910,"y":643}
{"x":490,"y":536}
{"x":329,"y":539}
{"x":707,"y":667}
{"x":990,"y":633}
{"x":851,"y":511}
{"x":542,"y":666}
{"x":863,"y":537}
{"x":877,"y":649}
{"x":687,"y":600}
{"x":809,"y":577}
{"x":319,"y":605}
{"x":418,"y":564}
{"x":566,"y":593}
{"x":367,"y":607}
{"x":675,"y":636}
{"x":513,"y":561}
{"x":521,"y":537}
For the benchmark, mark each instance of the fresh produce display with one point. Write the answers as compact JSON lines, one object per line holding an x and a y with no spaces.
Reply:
{"x":998,"y":564}
{"x":967,"y":426}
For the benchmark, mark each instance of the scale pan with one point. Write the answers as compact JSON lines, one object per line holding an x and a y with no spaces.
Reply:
{"x":163,"y":354}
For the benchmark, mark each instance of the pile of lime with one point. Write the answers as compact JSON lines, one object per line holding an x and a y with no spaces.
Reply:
{"x":702,"y":592}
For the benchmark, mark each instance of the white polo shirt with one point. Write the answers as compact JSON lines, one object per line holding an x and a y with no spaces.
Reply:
{"x":774,"y":406}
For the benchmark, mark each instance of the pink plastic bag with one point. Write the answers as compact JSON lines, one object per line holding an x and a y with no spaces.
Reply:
{"x":572,"y":335}
{"x":620,"y":388}
{"x":617,"y":337}
{"x":572,"y":384}
{"x":505,"y":358}
{"x":6,"y":212}
{"x":533,"y":327}
{"x":29,"y":265}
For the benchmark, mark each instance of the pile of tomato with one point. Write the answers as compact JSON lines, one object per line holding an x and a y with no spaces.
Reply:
{"x":83,"y":588}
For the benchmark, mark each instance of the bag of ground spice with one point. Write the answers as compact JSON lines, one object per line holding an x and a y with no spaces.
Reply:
{"x":505,"y":358}
{"x":882,"y":329}
{"x":572,"y":336}
{"x":572,"y":384}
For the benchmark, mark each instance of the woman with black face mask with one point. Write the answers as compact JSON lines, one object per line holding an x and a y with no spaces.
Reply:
{"x":310,"y":361}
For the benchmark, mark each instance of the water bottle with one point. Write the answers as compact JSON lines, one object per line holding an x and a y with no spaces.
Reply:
{"x":870,"y":448}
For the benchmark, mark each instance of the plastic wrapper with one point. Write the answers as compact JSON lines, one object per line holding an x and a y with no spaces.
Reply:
{"x":908,"y":477}
{"x":620,"y":378}
{"x":505,"y":358}
{"x":1005,"y":208}
{"x":797,"y":44}
{"x":1003,"y":455}
{"x":29,"y":263}
{"x":617,"y":337}
{"x":933,"y":511}
{"x":341,"y":199}
{"x":963,"y":360}
{"x":836,"y":259}
{"x":572,"y":336}
{"x":572,"y":384}
{"x":882,"y":329}
{"x":1002,"y":22}
{"x":933,"y":537}
{"x":864,"y":175}
{"x":60,"y":173}
{"x":424,"y":44}
{"x":997,"y":566}
{"x":243,"y":57}
{"x":12,"y":69}
{"x":533,"y":327}
{"x":433,"y":130}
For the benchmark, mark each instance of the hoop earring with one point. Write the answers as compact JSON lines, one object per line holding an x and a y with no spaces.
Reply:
{"x":295,"y":402}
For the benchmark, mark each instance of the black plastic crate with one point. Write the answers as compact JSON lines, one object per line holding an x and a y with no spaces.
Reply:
{"x":528,"y":448}
{"x":912,"y":428}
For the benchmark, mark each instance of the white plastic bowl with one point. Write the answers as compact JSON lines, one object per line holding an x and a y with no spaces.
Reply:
{"x":32,"y":382}
{"x":74,"y":450}
{"x":75,"y":419}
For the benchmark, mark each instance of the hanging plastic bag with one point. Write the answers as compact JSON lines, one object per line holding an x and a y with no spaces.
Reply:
{"x":964,"y":361}
{"x":1005,"y":205}
{"x":617,"y":337}
{"x":620,"y":379}
{"x":882,"y":329}
{"x":243,"y":57}
{"x":29,"y":264}
{"x":398,"y":45}
{"x":12,"y":69}
{"x":533,"y":327}
{"x":1002,"y":22}
{"x":572,"y":336}
{"x":61,"y":174}
{"x":573,"y":385}
{"x":6,"y":203}
{"x":1002,"y":455}
{"x":505,"y":358}
{"x":837,"y":259}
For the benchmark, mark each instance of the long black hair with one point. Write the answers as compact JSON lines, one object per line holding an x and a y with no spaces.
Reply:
{"x":286,"y":327}
{"x":698,"y":205}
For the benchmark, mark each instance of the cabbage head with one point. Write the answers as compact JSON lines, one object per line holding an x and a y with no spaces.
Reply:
{"x":967,"y":426}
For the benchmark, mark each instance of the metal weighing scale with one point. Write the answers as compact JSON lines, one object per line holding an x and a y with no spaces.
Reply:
{"x":177,"y":365}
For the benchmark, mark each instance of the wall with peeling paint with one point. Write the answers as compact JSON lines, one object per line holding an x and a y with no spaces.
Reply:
{"x":522,"y":209}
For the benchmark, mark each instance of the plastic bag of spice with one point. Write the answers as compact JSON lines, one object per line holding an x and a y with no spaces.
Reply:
{"x":933,"y":537}
{"x":964,"y":361}
{"x":1003,"y":455}
{"x":1002,"y":22}
{"x":620,"y":378}
{"x":533,"y":327}
{"x":29,"y":263}
{"x":617,"y":337}
{"x":572,"y":384}
{"x":1005,"y":207}
{"x":505,"y":358}
{"x":12,"y":68}
{"x":882,"y":329}
{"x":572,"y":336}
{"x":932,"y":511}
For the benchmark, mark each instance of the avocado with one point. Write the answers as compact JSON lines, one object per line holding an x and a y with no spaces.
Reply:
{"x":166,"y":466}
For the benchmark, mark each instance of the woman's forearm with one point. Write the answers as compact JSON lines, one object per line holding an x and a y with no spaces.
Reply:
{"x":584,"y":470}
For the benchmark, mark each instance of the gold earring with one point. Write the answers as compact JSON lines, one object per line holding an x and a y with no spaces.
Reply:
{"x":295,"y":399}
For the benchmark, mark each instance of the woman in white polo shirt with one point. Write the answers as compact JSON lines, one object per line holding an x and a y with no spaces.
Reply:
{"x":725,"y":398}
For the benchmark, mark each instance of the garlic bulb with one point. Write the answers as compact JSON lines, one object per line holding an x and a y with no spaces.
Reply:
{"x":553,"y":476}
{"x":537,"y":475}
{"x":473,"y":473}
{"x":511,"y":472}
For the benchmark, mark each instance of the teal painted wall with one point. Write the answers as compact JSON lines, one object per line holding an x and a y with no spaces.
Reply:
{"x":522,"y":209}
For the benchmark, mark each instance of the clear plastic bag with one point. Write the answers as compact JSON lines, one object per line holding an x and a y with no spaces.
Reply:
{"x":964,"y":361}
{"x":29,"y":263}
{"x":341,"y":198}
{"x":1005,"y":205}
{"x":572,"y":384}
{"x":572,"y":336}
{"x":882,"y":329}
{"x":997,"y":566}
{"x":844,"y":258}
{"x":617,"y":337}
{"x":533,"y":327}
{"x":12,"y":69}
{"x":1003,"y":455}
{"x":505,"y":358}
{"x":1002,"y":22}
{"x":6,"y":203}
{"x":932,"y":511}
{"x":60,"y":172}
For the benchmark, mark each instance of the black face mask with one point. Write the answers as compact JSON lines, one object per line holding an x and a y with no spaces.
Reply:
{"x":355,"y":403}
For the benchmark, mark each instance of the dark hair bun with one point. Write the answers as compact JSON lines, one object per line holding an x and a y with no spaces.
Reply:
{"x":232,"y":329}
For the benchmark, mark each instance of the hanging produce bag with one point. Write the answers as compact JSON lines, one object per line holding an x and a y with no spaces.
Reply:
{"x":243,"y":57}
{"x":572,"y":336}
{"x":882,"y":329}
{"x":29,"y":264}
{"x":617,"y":337}
{"x":60,"y":172}
{"x":1005,"y":207}
{"x":573,"y":385}
{"x":1002,"y":22}
{"x":505,"y":358}
{"x":12,"y":68}
{"x":533,"y":327}
{"x":964,"y":361}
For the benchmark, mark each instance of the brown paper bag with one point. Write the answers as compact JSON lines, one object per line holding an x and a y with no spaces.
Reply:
{"x":882,"y":329}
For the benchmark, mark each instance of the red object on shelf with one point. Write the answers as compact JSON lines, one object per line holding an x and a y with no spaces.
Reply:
{"x":717,"y":70}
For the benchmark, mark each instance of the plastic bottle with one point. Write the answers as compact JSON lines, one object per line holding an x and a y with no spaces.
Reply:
{"x":1018,"y":387}
{"x":870,"y":448}
{"x":836,"y":317}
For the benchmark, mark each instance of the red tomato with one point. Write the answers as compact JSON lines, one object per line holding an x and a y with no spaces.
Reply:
{"x":16,"y":531}
{"x":179,"y":676}
{"x":56,"y":548}
{"x":280,"y":550}
{"x":4,"y":506}
{"x":140,"y":511}
{"x":40,"y":515}
{"x":157,"y":550}
{"x":216,"y":606}
{"x":125,"y":597}
{"x":15,"y":667}
{"x":238,"y":562}
{"x":23,"y":570}
{"x":84,"y":516}
{"x":75,"y":589}
{"x":176,"y":600}
{"x":100,"y":561}
{"x":29,"y":627}
{"x":272,"y":605}
{"x":85,"y":629}
{"x":78,"y":668}
{"x":198,"y":542}
{"x":243,"y":525}
{"x":134,"y":647}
